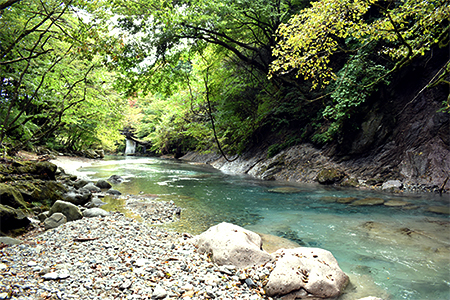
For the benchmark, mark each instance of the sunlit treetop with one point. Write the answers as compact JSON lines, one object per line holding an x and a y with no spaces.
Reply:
{"x":309,"y":39}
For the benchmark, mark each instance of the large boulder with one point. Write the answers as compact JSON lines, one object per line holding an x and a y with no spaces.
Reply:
{"x":68,"y":209}
{"x":305,"y":273}
{"x":115,"y":179}
{"x":103,"y":184}
{"x":42,"y":191}
{"x":40,"y":169}
{"x":11,"y":196}
{"x":80,"y":183}
{"x":91,"y":188}
{"x":330,"y":176}
{"x":229,"y":244}
{"x":95,"y":212}
{"x":55,"y":220}
{"x":11,"y":218}
{"x":79,"y":197}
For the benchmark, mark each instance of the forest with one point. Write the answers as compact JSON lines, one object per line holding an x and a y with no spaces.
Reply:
{"x":202,"y":75}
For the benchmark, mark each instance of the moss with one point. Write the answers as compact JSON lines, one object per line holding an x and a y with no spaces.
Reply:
{"x":11,"y":196}
{"x":330,"y":176}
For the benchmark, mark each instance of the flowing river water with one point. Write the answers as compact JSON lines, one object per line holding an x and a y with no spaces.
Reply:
{"x":389,"y":252}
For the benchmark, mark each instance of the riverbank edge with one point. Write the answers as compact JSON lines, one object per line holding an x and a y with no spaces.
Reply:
{"x":307,"y":164}
{"x":50,"y":275}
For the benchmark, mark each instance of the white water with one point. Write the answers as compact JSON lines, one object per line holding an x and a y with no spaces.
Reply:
{"x":130,"y":147}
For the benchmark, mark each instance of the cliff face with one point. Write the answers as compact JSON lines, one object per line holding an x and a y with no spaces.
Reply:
{"x":399,"y":135}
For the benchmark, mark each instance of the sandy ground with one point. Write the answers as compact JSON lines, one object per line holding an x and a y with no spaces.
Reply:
{"x":70,"y":164}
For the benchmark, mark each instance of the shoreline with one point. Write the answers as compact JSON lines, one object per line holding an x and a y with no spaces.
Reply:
{"x":71,"y":164}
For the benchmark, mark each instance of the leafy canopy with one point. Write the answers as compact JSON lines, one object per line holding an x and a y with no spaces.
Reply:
{"x":52,"y":83}
{"x":309,"y":39}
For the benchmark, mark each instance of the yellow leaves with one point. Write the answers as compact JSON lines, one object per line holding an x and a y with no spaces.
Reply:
{"x":308,"y":40}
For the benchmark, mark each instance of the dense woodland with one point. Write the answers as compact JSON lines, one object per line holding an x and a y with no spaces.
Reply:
{"x":204,"y":74}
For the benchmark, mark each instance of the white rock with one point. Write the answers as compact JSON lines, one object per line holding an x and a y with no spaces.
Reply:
{"x":32,"y":263}
{"x":392,"y":184}
{"x":51,"y":276}
{"x":306,"y":269}
{"x":230,"y":244}
{"x":4,"y":295}
{"x":63,"y":274}
{"x":159,"y":292}
{"x":95,"y":212}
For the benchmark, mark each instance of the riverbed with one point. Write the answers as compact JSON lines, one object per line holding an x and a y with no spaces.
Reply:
{"x":395,"y":251}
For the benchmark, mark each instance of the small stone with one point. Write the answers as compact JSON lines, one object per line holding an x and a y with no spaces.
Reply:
{"x":189,"y":294}
{"x":113,"y":192}
{"x":32,"y":264}
{"x":250,"y":283}
{"x":51,"y":276}
{"x":4,"y":295}
{"x":159,"y":292}
{"x":3,"y":266}
{"x":126,"y":285}
{"x":63,"y":274}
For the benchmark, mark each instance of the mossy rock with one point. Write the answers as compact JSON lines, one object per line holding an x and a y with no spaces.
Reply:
{"x":330,"y":176}
{"x":41,"y":169}
{"x":370,"y":201}
{"x":350,"y":182}
{"x":346,"y":200}
{"x":445,"y":210}
{"x":11,"y":218}
{"x":285,"y":190}
{"x":45,"y":192}
{"x":11,"y":196}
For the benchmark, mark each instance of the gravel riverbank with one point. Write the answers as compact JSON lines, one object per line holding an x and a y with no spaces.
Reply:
{"x":115,"y":257}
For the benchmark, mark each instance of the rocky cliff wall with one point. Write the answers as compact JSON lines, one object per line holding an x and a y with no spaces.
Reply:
{"x":397,"y":135}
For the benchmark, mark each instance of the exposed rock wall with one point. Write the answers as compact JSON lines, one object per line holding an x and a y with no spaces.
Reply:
{"x":398,"y":134}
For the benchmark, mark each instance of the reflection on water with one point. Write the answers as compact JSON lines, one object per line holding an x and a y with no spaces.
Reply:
{"x":397,"y":252}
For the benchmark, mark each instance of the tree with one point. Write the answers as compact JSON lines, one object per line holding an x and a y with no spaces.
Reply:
{"x":365,"y":41}
{"x":48,"y":70}
{"x":404,"y":29}
{"x":158,"y":34}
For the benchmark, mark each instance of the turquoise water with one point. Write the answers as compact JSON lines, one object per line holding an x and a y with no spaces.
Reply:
{"x":389,"y":252}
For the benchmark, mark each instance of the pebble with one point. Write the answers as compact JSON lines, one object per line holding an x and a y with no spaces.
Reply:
{"x":116,"y":257}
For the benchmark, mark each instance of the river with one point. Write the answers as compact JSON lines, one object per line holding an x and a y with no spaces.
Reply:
{"x":391,"y":252}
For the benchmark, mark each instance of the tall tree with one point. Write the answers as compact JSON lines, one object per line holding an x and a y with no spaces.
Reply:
{"x":157,"y":34}
{"x":48,"y":68}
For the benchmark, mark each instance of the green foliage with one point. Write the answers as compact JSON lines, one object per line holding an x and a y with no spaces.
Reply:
{"x":52,"y":85}
{"x":307,"y":42}
{"x":354,"y":84}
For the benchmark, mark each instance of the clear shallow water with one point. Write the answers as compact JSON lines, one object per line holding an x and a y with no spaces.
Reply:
{"x":388,"y":252}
